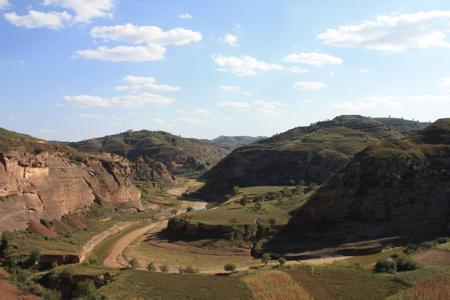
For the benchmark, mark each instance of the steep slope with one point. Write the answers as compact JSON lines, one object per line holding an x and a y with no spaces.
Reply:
{"x":39,"y":180}
{"x":310,"y":153}
{"x":402,"y":125}
{"x":233,"y":142}
{"x":158,"y":153}
{"x":398,"y":191}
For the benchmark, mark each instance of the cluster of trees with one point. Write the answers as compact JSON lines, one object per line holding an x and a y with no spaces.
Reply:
{"x":397,"y":263}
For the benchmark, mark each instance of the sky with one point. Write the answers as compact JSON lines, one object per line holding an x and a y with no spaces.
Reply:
{"x":78,"y":69}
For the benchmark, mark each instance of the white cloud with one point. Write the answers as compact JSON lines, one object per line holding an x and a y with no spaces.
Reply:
{"x":149,"y":42}
{"x":394,"y":33}
{"x":331,"y":74}
{"x":190,"y":121}
{"x":232,"y":89}
{"x":201,"y":111}
{"x":444,"y":83}
{"x":4,"y":4}
{"x":127,"y":101}
{"x":309,"y":85}
{"x":230,"y":39}
{"x":243,"y":65}
{"x":35,"y":19}
{"x":124,"y":53}
{"x":364,"y":71}
{"x":298,"y":70}
{"x":266,"y":108}
{"x":185,"y":16}
{"x":137,"y":83}
{"x":314,"y":59}
{"x":48,"y":131}
{"x":151,"y":35}
{"x":85,"y":10}
{"x":92,"y":116}
{"x":391,"y":102}
{"x":87,"y":101}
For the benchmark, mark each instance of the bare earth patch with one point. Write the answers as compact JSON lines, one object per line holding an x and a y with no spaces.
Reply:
{"x":433,"y":257}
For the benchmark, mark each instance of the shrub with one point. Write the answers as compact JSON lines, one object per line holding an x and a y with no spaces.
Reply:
{"x":411,"y":248}
{"x":441,"y":240}
{"x":282,"y":261}
{"x":85,"y":290}
{"x":272,"y":222}
{"x":426,"y":245}
{"x":33,"y":258}
{"x":243,"y":201}
{"x":384,"y":265}
{"x":134,"y":263}
{"x":151,"y":267}
{"x":51,"y":295}
{"x":229,"y":268}
{"x":265,"y":258}
{"x":258,"y":205}
{"x":164,"y":268}
{"x":236,"y":189}
{"x":189,"y":209}
{"x":188,"y":270}
{"x":405,"y":263}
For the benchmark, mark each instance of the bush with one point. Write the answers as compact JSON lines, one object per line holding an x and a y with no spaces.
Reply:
{"x":282,"y":261}
{"x":384,"y":265}
{"x":426,"y":245}
{"x":151,"y":267}
{"x":188,"y":270}
{"x":134,"y":263}
{"x":229,"y":268}
{"x":164,"y":268}
{"x":265,"y":258}
{"x":405,"y":263}
{"x":85,"y":290}
{"x":243,"y":201}
{"x":411,"y":248}
{"x":272,"y":222}
{"x":441,"y":240}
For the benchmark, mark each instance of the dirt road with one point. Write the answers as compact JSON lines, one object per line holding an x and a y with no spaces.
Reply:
{"x":115,"y":258}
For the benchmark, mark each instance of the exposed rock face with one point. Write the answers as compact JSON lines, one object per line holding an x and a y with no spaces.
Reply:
{"x":398,"y":189}
{"x":49,"y":185}
{"x":310,"y":153}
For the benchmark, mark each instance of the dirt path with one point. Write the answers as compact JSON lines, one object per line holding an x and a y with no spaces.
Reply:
{"x":93,"y":242}
{"x":115,"y":258}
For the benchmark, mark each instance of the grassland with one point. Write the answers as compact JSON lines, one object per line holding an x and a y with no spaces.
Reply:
{"x":134,"y":284}
{"x":368,"y":261}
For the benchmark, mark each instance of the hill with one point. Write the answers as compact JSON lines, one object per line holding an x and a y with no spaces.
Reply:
{"x":41,"y":180}
{"x":233,"y":142}
{"x":310,"y":154}
{"x":404,"y":126}
{"x":158,"y":153}
{"x":394,"y":192}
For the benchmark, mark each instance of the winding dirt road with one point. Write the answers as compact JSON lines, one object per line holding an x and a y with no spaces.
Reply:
{"x":115,"y":258}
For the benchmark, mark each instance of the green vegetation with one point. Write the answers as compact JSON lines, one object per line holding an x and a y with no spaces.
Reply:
{"x":282,"y":261}
{"x":265,"y":258}
{"x":230,"y":268}
{"x":150,"y":285}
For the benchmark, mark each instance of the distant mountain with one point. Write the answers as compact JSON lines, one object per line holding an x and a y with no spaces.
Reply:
{"x":158,"y":154}
{"x":233,"y":142}
{"x":395,"y":192}
{"x":404,"y":126}
{"x":42,"y":180}
{"x":311,"y":154}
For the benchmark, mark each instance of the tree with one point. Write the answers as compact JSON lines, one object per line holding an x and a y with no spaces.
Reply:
{"x":291,"y":182}
{"x":243,"y":201}
{"x":164,"y":268}
{"x":85,"y":290}
{"x":33,"y":259}
{"x":384,"y":265}
{"x":265,"y":258}
{"x":272,"y":222}
{"x":282,"y":261}
{"x":229,"y":268}
{"x":134,"y":263}
{"x":236,"y":189}
{"x":151,"y":267}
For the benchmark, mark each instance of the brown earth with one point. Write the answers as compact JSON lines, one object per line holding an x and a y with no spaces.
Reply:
{"x":433,"y":257}
{"x":9,"y":291}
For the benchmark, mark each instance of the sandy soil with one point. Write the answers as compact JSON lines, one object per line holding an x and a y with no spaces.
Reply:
{"x":97,"y":239}
{"x":9,"y":291}
{"x":115,"y":259}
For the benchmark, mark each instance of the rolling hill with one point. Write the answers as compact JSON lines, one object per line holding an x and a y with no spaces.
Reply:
{"x":158,"y":153}
{"x":311,"y":154}
{"x":395,"y":192}
{"x":233,"y":142}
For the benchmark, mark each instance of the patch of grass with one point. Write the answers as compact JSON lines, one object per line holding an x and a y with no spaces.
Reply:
{"x":434,"y":288}
{"x":267,"y":285}
{"x":367,"y":261}
{"x":153,"y":193}
{"x":132,"y":284}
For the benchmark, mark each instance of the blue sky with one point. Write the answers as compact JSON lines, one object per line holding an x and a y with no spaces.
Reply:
{"x":75,"y":69}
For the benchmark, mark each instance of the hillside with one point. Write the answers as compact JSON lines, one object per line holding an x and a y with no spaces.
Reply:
{"x":41,"y":180}
{"x":158,"y":153}
{"x":402,"y":125}
{"x":233,"y":142}
{"x":397,"y":191}
{"x":309,"y":154}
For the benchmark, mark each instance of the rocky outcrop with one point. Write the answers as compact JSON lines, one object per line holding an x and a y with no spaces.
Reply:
{"x":48,"y":185}
{"x":311,"y":154}
{"x":395,"y":192}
